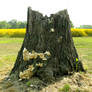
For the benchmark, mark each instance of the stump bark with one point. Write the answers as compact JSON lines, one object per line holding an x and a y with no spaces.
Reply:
{"x":52,"y":34}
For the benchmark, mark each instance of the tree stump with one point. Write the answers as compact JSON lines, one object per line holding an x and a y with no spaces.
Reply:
{"x":48,"y":50}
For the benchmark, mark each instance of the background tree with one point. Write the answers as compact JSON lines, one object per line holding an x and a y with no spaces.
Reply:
{"x":85,"y":26}
{"x":21,"y":24}
{"x":4,"y":24}
{"x":72,"y":25}
{"x":12,"y":24}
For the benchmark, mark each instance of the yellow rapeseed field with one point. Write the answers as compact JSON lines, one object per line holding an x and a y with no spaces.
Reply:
{"x":81,"y":32}
{"x":21,"y":32}
{"x":12,"y":32}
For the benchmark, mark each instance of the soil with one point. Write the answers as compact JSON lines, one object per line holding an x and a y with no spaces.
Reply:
{"x":78,"y":82}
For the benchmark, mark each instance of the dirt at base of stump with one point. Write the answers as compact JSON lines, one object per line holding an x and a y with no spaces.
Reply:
{"x":82,"y":82}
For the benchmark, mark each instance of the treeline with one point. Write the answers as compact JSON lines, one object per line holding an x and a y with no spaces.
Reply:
{"x":85,"y":27}
{"x":81,"y":26}
{"x":13,"y":24}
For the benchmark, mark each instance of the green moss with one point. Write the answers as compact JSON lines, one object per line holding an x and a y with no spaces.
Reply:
{"x":28,"y":83}
{"x":66,"y":88}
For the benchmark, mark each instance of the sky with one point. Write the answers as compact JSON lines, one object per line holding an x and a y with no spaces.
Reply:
{"x":80,"y":11}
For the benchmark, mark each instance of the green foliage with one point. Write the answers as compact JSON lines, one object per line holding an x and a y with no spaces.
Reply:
{"x":66,"y":88}
{"x":12,"y":24}
{"x":85,"y":26}
{"x":16,"y":24}
{"x":4,"y":24}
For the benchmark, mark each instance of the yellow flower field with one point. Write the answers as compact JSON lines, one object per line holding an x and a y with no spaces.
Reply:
{"x":21,"y":32}
{"x":12,"y":32}
{"x":81,"y":32}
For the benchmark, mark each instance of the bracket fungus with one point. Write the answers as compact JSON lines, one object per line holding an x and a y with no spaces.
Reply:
{"x":28,"y":73}
{"x":27,"y":56}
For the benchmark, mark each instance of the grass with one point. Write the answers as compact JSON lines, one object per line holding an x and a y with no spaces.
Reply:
{"x":83,"y":42}
{"x":84,"y":49}
{"x":10,"y":40}
{"x":9,"y":48}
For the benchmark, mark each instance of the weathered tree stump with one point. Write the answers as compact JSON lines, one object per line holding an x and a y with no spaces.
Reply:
{"x":48,"y":50}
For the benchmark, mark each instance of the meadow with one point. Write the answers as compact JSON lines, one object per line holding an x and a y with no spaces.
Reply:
{"x":9,"y":48}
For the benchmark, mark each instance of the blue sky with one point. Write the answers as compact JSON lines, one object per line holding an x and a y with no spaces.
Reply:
{"x":79,"y":10}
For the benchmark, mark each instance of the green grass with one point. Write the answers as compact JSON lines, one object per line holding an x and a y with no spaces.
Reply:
{"x":83,"y":42}
{"x":84,"y":49}
{"x":10,"y":40}
{"x":9,"y":48}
